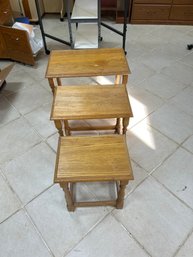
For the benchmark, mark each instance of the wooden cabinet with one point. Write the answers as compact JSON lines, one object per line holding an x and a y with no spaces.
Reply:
{"x":114,"y":8}
{"x":162,"y":12}
{"x":5,"y":12}
{"x":14,"y":43}
{"x":151,"y":12}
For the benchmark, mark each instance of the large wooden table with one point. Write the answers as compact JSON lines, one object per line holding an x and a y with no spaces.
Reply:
{"x":92,"y":159}
{"x":85,"y":102}
{"x":87,"y":63}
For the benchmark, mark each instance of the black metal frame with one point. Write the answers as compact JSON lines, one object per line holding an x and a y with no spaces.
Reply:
{"x":121,"y":33}
{"x":126,"y":16}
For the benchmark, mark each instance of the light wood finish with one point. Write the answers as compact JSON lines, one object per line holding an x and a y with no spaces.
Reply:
{"x":4,"y":73}
{"x":87,"y":63}
{"x":92,"y":159}
{"x":91,"y":102}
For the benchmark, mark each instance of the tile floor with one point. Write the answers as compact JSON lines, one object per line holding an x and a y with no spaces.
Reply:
{"x":157,"y":219}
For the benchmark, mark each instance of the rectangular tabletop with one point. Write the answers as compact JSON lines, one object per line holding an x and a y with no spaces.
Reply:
{"x":87,"y":63}
{"x":92,"y":158}
{"x":90,"y":102}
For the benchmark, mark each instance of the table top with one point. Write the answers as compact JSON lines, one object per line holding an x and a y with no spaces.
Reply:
{"x":87,"y":63}
{"x":92,"y":158}
{"x":90,"y":102}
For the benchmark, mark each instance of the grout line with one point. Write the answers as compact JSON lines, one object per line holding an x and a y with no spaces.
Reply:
{"x":183,"y":202}
{"x":183,"y":243}
{"x":38,"y":232}
{"x":38,"y":195}
{"x":89,"y":231}
{"x":132,"y":236}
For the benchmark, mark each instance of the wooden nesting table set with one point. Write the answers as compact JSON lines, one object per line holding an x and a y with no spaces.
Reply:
{"x":90,"y":158}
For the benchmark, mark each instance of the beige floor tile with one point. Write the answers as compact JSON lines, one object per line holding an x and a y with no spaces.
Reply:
{"x":167,"y":34}
{"x":16,"y":138}
{"x":109,"y":238}
{"x":180,"y":72}
{"x":38,"y":71}
{"x":19,"y":238}
{"x":32,"y":172}
{"x":142,"y":103}
{"x":188,"y":59}
{"x":18,"y":80}
{"x":53,"y":141}
{"x":62,"y":229}
{"x":162,"y":86}
{"x":9,"y":203}
{"x":102,"y":191}
{"x":184,"y":100}
{"x":140,"y":73}
{"x":156,"y":219}
{"x":176,"y":174}
{"x":7,"y":112}
{"x":29,"y":99}
{"x":40,"y":120}
{"x":139,"y":175}
{"x":147,"y":147}
{"x":188,"y":144}
{"x":172,"y":122}
{"x":135,"y":51}
{"x":163,"y":56}
{"x":187,"y":248}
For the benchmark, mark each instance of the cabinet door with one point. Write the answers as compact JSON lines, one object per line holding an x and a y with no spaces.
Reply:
{"x":5,"y":12}
{"x":182,"y":12}
{"x":182,"y":1}
{"x":3,"y":49}
{"x":17,"y":45}
{"x":51,"y":6}
{"x":152,"y":1}
{"x":150,"y":12}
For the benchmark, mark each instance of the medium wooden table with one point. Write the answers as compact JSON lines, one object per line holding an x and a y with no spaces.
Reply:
{"x":92,"y":159}
{"x":87,"y":63}
{"x":85,"y":102}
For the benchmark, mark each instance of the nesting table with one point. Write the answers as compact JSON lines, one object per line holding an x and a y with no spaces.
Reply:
{"x":91,"y":159}
{"x":85,"y":102}
{"x":87,"y":63}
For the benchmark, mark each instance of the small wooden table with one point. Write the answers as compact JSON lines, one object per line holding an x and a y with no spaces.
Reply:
{"x":92,"y":159}
{"x":85,"y":102}
{"x":87,"y":63}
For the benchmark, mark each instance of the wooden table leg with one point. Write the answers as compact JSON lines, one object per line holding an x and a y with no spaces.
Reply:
{"x":125,"y":125}
{"x":58,"y":125}
{"x":51,"y":83}
{"x":118,"y":79}
{"x":124,"y":79}
{"x":68,"y":196}
{"x":59,"y":82}
{"x":67,"y":128}
{"x":121,"y":194}
{"x":118,"y":126}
